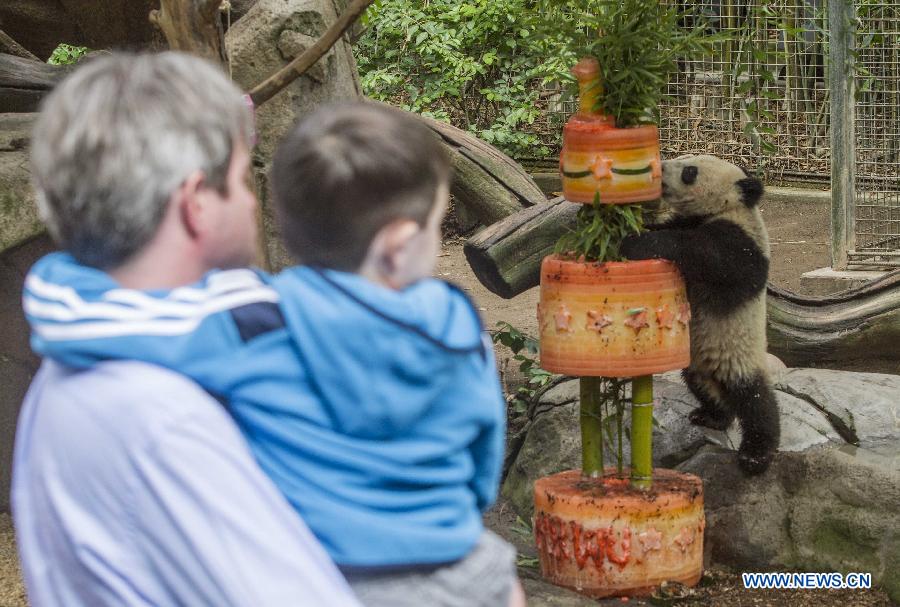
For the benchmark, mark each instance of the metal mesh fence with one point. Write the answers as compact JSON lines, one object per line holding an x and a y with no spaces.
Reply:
{"x":759,"y":99}
{"x":877,"y":126}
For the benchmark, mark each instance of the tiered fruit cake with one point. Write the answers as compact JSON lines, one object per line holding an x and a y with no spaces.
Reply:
{"x":598,"y":530}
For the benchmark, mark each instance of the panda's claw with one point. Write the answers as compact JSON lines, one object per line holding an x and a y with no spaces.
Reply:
{"x":708,"y":417}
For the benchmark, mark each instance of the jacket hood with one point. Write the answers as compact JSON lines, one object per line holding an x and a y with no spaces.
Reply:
{"x":388,"y":351}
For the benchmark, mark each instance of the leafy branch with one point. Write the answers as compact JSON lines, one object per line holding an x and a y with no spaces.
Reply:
{"x":525,"y":351}
{"x":599,"y":231}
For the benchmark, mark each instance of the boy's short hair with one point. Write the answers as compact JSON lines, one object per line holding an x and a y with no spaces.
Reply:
{"x":346,"y":171}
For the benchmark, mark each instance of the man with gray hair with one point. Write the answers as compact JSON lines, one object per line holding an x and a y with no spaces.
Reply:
{"x":132,"y":486}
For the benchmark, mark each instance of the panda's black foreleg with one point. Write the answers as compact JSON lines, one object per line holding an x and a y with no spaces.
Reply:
{"x":712,"y":412}
{"x":754,"y":403}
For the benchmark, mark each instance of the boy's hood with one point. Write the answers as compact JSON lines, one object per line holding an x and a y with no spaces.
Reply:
{"x":388,"y":352}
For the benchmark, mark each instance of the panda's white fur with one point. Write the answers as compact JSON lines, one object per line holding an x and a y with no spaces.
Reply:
{"x":709,"y":224}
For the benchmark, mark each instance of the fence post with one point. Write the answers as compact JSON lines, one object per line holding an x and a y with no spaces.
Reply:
{"x":842,"y":77}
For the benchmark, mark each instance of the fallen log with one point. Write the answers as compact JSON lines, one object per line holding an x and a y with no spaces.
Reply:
{"x":24,"y":82}
{"x":858,"y":324}
{"x":506,"y":256}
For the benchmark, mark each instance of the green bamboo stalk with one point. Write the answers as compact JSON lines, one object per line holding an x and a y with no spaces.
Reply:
{"x":620,"y":414}
{"x":642,"y":431}
{"x":591,"y":426}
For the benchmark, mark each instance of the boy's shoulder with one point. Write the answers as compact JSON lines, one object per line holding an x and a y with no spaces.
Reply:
{"x":431,"y":308}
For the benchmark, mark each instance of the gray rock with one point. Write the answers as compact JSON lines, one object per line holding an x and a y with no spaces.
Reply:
{"x":554,"y":442}
{"x":265,"y":39}
{"x":866,"y":404}
{"x":777,"y":368}
{"x":802,"y":427}
{"x":832,"y":509}
{"x":19,"y":219}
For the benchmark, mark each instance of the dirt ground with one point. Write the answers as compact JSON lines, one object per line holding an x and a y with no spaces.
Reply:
{"x":799,"y":239}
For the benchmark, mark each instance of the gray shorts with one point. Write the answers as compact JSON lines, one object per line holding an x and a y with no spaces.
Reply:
{"x":484,"y":578}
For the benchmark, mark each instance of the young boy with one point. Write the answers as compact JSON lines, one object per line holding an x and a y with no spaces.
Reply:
{"x":367,"y":391}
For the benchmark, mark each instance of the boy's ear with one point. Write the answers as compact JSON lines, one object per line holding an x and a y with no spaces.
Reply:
{"x":388,"y":251}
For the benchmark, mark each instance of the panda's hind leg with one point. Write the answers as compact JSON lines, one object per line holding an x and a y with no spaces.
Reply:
{"x":754,"y":402}
{"x":713,"y":411}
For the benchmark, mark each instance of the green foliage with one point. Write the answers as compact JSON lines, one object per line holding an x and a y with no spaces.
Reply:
{"x":479,"y":64}
{"x":525,"y":351}
{"x":637,"y":43}
{"x":599,"y":231}
{"x":65,"y":54}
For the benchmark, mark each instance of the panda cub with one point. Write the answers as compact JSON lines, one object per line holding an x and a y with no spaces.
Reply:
{"x":708,"y":223}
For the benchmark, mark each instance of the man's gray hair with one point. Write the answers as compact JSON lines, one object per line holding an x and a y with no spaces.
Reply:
{"x":118,"y":137}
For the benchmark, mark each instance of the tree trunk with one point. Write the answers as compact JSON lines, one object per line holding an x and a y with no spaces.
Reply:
{"x":193,"y":26}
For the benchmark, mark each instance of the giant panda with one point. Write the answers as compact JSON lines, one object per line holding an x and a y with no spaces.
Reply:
{"x":708,"y":223}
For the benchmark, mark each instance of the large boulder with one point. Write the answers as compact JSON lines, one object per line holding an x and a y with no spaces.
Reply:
{"x":270,"y":35}
{"x":17,"y":363}
{"x":19,"y":219}
{"x":266,"y":38}
{"x":830,"y":500}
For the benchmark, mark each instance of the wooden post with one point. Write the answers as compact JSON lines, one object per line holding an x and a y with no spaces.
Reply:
{"x":842,"y":82}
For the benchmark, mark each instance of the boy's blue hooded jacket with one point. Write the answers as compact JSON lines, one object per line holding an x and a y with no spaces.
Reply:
{"x":378,"y":413}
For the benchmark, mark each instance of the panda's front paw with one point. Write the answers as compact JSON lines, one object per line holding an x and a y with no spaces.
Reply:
{"x":631,"y":247}
{"x":753,"y":463}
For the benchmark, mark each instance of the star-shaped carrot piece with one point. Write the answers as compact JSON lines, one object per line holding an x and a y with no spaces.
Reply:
{"x":637,"y":319}
{"x":562,"y":317}
{"x":685,"y":538}
{"x":597,"y":321}
{"x":664,"y":317}
{"x":651,"y":539}
{"x":602,"y":167}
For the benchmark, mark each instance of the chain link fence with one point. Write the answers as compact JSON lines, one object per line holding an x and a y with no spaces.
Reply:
{"x":877,"y":134}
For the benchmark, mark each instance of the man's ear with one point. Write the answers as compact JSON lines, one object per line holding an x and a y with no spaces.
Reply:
{"x":191,"y":208}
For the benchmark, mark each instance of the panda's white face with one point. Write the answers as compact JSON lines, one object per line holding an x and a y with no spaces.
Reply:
{"x":704,"y":186}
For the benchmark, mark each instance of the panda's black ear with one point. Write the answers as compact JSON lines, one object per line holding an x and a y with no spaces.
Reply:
{"x":751,"y":191}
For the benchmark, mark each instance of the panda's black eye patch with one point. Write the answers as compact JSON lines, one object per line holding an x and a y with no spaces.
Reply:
{"x":689,"y":175}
